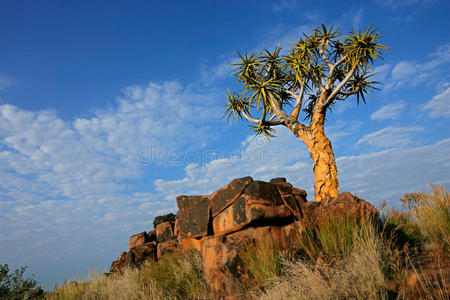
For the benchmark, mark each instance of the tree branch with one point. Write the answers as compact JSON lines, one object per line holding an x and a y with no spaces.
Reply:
{"x":250,"y":119}
{"x":276,"y":108}
{"x":299,"y":100}
{"x":325,"y":58}
{"x":352,"y":92}
{"x":338,"y":88}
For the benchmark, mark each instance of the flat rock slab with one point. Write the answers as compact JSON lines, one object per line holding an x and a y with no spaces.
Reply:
{"x":260,"y":201}
{"x":193,"y":216}
{"x":138,"y":239}
{"x":221,"y":198}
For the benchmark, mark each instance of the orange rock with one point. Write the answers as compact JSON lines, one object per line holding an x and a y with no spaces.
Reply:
{"x":138,"y":239}
{"x":220,"y":252}
{"x":227,"y":194}
{"x":164,"y":231}
{"x":193,"y":216}
{"x":165,"y":247}
{"x":190,"y":244}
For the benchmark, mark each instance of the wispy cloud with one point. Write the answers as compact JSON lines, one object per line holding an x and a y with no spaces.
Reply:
{"x":285,"y":4}
{"x":363,"y":174}
{"x":390,"y":137}
{"x":408,"y":73}
{"x":439,"y":106}
{"x":78,"y":181}
{"x":390,"y":111}
{"x":396,"y":4}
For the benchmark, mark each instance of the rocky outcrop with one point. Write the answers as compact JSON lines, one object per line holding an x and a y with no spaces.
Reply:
{"x":218,"y":225}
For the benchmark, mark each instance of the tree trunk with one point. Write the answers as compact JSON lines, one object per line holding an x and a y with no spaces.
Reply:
{"x":325,"y":172}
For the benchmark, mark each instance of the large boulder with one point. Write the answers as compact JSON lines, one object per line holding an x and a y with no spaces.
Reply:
{"x":164,"y":231}
{"x":165,"y":218}
{"x":260,"y":202}
{"x":138,"y":239}
{"x":223,"y":267}
{"x":136,"y":256}
{"x":221,"y":198}
{"x":193,"y":216}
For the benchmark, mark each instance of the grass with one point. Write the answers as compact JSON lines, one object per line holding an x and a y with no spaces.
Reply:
{"x":177,"y":276}
{"x":341,"y":257}
{"x":263,"y":259}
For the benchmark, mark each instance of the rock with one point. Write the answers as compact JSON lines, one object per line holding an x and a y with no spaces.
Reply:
{"x":136,"y":256}
{"x":220,"y":225}
{"x":143,"y":252}
{"x":125,"y":260}
{"x":138,"y":239}
{"x":223,"y":268}
{"x":152,"y":235}
{"x":166,"y":247}
{"x":193,"y":216}
{"x":164,"y":231}
{"x":260,"y":202}
{"x":165,"y":218}
{"x":221,"y":198}
{"x":347,"y":204}
{"x":278,"y":180}
{"x":191,"y":244}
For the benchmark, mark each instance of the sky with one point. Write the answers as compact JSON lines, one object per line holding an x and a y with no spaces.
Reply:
{"x":110,"y":109}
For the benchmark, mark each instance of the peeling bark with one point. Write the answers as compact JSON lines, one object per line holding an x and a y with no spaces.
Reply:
{"x":326,"y":183}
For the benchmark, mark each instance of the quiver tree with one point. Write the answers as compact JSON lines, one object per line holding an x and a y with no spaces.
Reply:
{"x":320,"y":70}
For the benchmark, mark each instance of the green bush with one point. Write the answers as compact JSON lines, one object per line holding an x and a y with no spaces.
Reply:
{"x":14,"y":286}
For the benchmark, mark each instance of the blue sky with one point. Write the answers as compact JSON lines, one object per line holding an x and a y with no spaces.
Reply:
{"x":110,"y":109}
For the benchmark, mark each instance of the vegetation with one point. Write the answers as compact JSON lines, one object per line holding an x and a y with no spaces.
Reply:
{"x":176,"y":276}
{"x":340,"y":257}
{"x":15,"y":286}
{"x":320,"y":70}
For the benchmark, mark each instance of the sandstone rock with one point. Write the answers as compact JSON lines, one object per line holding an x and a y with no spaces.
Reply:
{"x":152,"y":235}
{"x":278,"y":180}
{"x":143,"y":252}
{"x":193,"y":216}
{"x":347,"y":204}
{"x":164,"y":231}
{"x":166,"y":247}
{"x":138,"y":239}
{"x":224,"y":269}
{"x":221,"y":198}
{"x":165,"y":218}
{"x":191,"y":244}
{"x":259,"y":202}
{"x":124,"y":261}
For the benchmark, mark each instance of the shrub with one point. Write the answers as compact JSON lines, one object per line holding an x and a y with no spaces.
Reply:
{"x":263,"y":260}
{"x":177,"y":275}
{"x":432,"y":214}
{"x":333,"y":237}
{"x":14,"y":286}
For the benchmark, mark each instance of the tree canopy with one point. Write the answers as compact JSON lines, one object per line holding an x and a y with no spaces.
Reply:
{"x":318,"y":70}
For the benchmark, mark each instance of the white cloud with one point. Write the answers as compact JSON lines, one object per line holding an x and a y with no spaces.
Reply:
{"x":67,"y":187}
{"x":390,"y":111}
{"x":408,"y":73}
{"x":376,"y":176}
{"x":390,"y":137}
{"x":439,"y":106}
